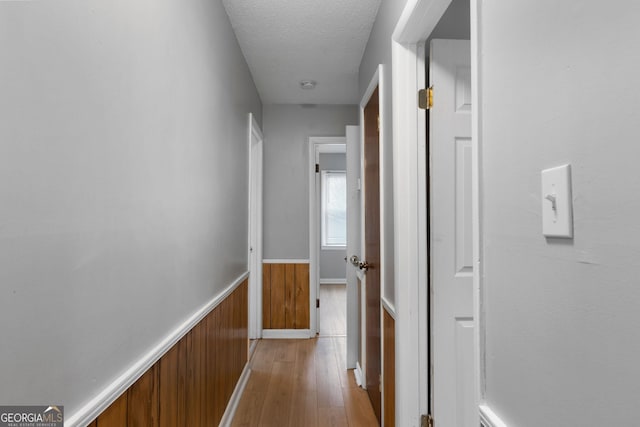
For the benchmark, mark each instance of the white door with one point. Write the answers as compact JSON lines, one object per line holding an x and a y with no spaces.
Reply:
{"x":255,"y":229}
{"x":353,"y":243}
{"x":451,"y":235}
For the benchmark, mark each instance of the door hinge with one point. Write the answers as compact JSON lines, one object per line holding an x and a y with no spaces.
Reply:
{"x":380,"y":382}
{"x":426,"y":421}
{"x":317,"y":302}
{"x":378,"y":124}
{"x":317,"y":168}
{"x":425,"y":98}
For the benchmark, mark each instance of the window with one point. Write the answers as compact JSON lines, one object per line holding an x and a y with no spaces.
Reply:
{"x":334,"y":209}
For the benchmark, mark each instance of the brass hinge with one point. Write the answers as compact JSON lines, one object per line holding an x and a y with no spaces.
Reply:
{"x":317,"y":168}
{"x":318,"y":303}
{"x":426,"y":421}
{"x":378,"y":124}
{"x":425,"y":98}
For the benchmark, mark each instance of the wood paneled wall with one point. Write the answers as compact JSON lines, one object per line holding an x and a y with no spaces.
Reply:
{"x":285,"y":296}
{"x":192,"y":383}
{"x":389,"y":368}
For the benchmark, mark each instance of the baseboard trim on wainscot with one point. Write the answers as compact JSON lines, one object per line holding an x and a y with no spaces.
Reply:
{"x":110,"y":394}
{"x":229,"y":413}
{"x":357,"y":372}
{"x":287,"y":333}
{"x":488,"y":418}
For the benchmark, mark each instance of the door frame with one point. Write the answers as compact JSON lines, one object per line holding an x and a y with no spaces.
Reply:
{"x":318,"y":145}
{"x":417,"y":21}
{"x":254,"y":235}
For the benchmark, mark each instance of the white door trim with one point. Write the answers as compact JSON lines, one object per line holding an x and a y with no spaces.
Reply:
{"x":255,"y":228}
{"x":416,"y":23}
{"x":317,"y":145}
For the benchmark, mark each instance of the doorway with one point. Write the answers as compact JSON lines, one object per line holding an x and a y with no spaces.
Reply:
{"x":329,"y":149}
{"x":416,"y":371}
{"x":333,"y":244}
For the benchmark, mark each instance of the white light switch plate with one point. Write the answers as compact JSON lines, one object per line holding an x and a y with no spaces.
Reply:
{"x":557,"y":203}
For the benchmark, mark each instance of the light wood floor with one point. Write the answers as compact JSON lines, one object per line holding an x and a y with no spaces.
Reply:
{"x":303,"y":383}
{"x":333,"y":310}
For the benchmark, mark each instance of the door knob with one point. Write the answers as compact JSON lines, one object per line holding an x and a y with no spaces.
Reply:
{"x":363,"y":265}
{"x":354,"y":260}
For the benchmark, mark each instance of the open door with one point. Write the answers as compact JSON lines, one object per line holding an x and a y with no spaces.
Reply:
{"x":255,"y":229}
{"x":372,"y":249}
{"x":353,"y":244}
{"x":451,"y":238}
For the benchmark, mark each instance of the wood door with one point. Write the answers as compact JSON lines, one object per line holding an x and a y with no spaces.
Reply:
{"x":451,"y":235}
{"x":372,"y":248}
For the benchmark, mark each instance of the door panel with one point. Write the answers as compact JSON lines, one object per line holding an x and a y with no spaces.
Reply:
{"x":353,"y":244}
{"x":450,"y":189}
{"x":372,"y":248}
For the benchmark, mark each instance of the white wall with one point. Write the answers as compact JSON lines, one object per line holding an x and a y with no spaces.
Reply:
{"x":286,"y":130}
{"x":560,"y":86}
{"x":378,"y":51}
{"x":123,"y":198}
{"x":332,"y":264}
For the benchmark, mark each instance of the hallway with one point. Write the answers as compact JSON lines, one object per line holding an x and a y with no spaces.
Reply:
{"x":302,"y":383}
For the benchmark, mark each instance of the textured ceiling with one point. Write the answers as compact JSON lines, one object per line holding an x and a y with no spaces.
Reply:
{"x":286,"y":41}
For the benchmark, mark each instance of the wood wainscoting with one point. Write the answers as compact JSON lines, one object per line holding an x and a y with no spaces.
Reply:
{"x":192,"y":383}
{"x":285,"y":296}
{"x":389,"y":367}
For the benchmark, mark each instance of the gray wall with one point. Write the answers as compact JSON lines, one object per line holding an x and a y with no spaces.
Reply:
{"x":562,"y":338}
{"x":378,"y":51}
{"x":332,"y":264}
{"x":286,"y":130}
{"x":123,"y":198}
{"x":454,"y":24}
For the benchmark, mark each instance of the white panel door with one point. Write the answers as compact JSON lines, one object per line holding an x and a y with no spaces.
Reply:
{"x":353,"y":243}
{"x":451,"y":235}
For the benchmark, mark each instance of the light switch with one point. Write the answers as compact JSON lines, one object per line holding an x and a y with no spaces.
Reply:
{"x":557,"y":203}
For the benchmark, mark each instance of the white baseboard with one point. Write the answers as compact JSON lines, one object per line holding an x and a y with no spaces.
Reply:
{"x":252,"y":348}
{"x":227,"y":417}
{"x":333,"y":281}
{"x":100,"y":402}
{"x":488,"y":418}
{"x":286,"y":333}
{"x":358,"y":374}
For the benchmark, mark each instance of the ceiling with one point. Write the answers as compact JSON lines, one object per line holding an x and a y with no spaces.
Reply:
{"x":287,"y":41}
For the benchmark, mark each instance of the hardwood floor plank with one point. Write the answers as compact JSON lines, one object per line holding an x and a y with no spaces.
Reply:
{"x":358,"y":407}
{"x":327,"y":376}
{"x":249,"y":410}
{"x":332,"y":417}
{"x":303,"y":387}
{"x":276,"y":409}
{"x":286,"y":351}
{"x":305,"y":367}
{"x":304,"y":410}
{"x":333,"y":310}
